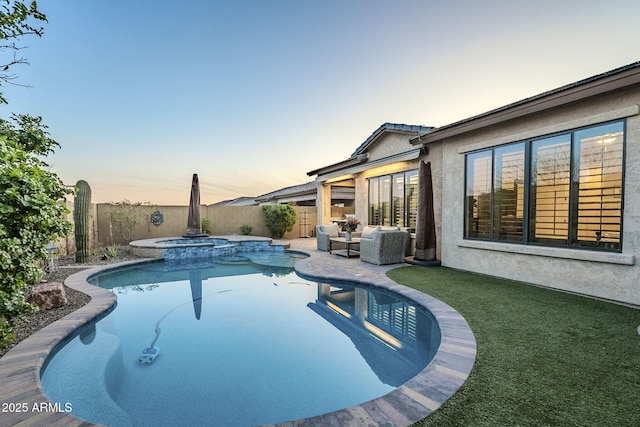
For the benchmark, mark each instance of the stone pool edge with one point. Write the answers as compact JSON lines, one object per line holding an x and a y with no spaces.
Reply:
{"x":20,"y":367}
{"x":411,"y":402}
{"x":430,"y":388}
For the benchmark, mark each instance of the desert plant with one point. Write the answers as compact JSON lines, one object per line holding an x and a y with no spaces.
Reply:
{"x":246,"y":230}
{"x":279,"y":219}
{"x":124,"y":216}
{"x":112,"y":251}
{"x":95,"y":251}
{"x":205,"y":225}
{"x":81,"y":209}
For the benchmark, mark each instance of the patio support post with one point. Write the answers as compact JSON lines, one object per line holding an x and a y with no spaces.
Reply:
{"x":324,"y":198}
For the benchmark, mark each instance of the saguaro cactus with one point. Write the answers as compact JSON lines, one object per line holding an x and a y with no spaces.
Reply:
{"x":82,"y":203}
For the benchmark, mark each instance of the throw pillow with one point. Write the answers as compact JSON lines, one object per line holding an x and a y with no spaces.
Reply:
{"x":369,"y":232}
{"x":330,"y":229}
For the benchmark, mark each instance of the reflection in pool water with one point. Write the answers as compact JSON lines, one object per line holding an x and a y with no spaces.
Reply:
{"x":241,"y":341}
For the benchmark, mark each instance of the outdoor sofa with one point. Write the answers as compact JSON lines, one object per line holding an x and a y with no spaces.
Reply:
{"x":326,"y":232}
{"x":383,"y":245}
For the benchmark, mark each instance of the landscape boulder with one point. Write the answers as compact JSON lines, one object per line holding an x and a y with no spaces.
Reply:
{"x":48,"y":296}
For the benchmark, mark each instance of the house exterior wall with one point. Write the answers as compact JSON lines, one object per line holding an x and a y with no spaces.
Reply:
{"x":614,"y":276}
{"x":388,"y":145}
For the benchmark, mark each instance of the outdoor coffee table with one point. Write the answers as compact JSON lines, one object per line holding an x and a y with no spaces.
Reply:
{"x":349,"y":252}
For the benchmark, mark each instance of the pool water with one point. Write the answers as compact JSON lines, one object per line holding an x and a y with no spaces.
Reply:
{"x":241,"y":341}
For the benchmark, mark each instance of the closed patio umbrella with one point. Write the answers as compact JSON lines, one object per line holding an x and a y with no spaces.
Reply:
{"x":425,"y":226}
{"x":195,"y":280}
{"x":193,"y":220}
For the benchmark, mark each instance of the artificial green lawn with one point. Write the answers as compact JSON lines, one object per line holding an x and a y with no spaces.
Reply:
{"x":544,"y":357}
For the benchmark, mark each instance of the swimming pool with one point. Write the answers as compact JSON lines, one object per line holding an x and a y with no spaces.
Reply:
{"x":242,"y":341}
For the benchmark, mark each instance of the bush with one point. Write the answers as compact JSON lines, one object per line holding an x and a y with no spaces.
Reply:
{"x":279,"y":219}
{"x":205,"y":225}
{"x":125,"y":215}
{"x":32,"y":210}
{"x":246,"y":230}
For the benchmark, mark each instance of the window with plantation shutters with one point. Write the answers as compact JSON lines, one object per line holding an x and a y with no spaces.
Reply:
{"x":560,"y":190}
{"x":393,"y":199}
{"x":550,"y":190}
{"x":598,"y":182}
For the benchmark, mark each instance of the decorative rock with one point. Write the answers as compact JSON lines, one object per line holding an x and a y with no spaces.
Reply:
{"x":48,"y":296}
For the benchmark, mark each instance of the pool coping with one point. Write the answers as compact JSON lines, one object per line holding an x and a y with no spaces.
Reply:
{"x":431,"y":387}
{"x":20,"y":367}
{"x":158,"y":247}
{"x":411,"y":402}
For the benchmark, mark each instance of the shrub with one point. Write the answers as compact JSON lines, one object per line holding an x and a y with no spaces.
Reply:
{"x":279,"y":219}
{"x":205,"y":225}
{"x":32,"y":210}
{"x":125,"y":215}
{"x":111,"y":251}
{"x":246,"y":230}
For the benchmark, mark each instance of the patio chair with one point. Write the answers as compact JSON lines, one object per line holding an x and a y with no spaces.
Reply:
{"x":324,"y":233}
{"x":383,"y":245}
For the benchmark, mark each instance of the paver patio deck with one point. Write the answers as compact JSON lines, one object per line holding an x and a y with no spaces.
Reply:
{"x":25,"y":404}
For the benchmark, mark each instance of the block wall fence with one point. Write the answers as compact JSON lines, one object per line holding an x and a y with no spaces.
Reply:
{"x":223,"y":220}
{"x":67,"y":245}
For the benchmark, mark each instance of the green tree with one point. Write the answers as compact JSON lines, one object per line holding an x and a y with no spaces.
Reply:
{"x":279,"y":219}
{"x":32,"y":212}
{"x":17,"y":19}
{"x":31,"y":206}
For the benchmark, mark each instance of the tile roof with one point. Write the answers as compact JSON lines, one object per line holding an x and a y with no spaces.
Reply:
{"x":238,"y":201}
{"x":359,"y":156}
{"x":391,"y":127}
{"x":309,"y":187}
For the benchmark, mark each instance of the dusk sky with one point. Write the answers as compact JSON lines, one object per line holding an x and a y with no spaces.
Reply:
{"x":252,"y":95}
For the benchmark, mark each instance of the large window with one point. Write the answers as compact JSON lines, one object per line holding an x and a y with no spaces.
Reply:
{"x":393,"y":199}
{"x":562,"y":190}
{"x":550,"y":190}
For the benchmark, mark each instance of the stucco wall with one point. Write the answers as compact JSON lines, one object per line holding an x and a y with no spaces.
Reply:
{"x":605,"y":275}
{"x":389,"y":144}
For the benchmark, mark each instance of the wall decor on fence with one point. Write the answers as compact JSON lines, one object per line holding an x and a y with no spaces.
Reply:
{"x":157,"y":218}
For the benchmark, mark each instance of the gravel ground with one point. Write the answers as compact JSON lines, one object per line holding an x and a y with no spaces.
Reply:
{"x":35,"y":321}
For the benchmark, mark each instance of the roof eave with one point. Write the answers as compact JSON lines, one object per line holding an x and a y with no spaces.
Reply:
{"x":361,"y":155}
{"x":338,"y":166}
{"x":350,"y":170}
{"x":284,"y":195}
